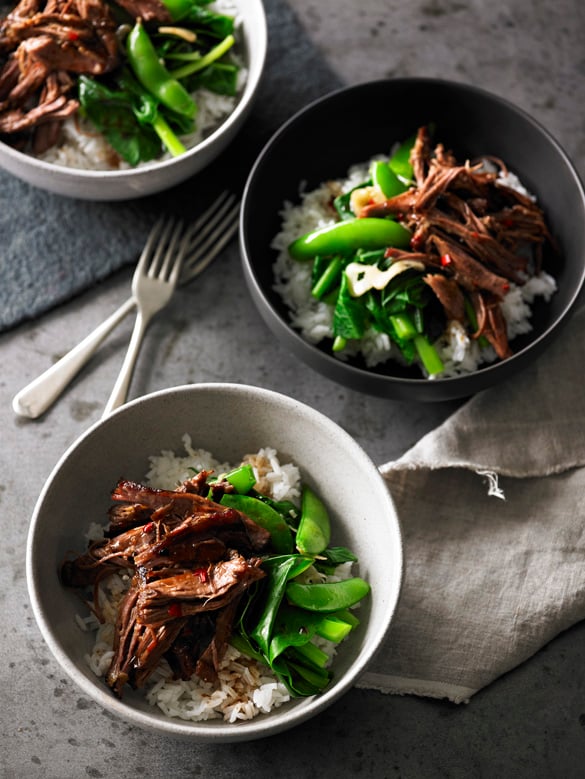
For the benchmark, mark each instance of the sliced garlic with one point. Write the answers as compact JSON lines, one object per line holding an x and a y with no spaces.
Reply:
{"x":361,"y":278}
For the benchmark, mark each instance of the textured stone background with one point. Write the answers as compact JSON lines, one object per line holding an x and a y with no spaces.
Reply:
{"x":530,"y":723}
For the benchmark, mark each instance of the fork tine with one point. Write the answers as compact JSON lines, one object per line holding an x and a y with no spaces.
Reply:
{"x":171,"y":249}
{"x":205,"y":252}
{"x":203,"y":218}
{"x":199,"y":231}
{"x":146,"y":252}
{"x":162,"y":238}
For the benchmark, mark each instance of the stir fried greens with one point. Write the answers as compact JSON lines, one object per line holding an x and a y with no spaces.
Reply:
{"x":144,"y":106}
{"x":296,"y":604}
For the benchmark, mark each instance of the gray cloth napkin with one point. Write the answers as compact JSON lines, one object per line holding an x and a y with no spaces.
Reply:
{"x":492,"y":507}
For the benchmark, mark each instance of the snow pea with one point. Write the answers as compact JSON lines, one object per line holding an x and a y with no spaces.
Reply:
{"x":266,"y":517}
{"x":314,"y":531}
{"x":153,"y":75}
{"x":242,"y":478}
{"x":296,"y":627}
{"x":400,"y":161}
{"x":348,"y":236}
{"x":329,"y":597}
{"x":386,"y":180}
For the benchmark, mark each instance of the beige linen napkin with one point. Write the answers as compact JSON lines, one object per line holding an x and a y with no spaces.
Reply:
{"x":492,"y":507}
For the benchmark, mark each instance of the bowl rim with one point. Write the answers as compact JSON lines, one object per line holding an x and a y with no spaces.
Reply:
{"x":253,"y":79}
{"x":214,"y":730}
{"x":359,"y":374}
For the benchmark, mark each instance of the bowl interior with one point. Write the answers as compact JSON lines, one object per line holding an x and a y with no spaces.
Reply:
{"x":353,"y":124}
{"x":228,"y":420}
{"x":155,"y":176}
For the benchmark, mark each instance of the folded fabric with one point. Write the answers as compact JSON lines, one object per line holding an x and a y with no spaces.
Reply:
{"x":491,"y":505}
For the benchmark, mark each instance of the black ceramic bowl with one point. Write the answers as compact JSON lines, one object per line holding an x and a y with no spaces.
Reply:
{"x":351,"y":125}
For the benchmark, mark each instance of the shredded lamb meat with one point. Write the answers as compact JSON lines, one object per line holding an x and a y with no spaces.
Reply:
{"x":190,"y":559}
{"x":44,"y":45}
{"x":470,"y":230}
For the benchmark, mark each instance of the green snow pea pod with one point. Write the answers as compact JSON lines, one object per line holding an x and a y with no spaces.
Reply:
{"x":242,"y":478}
{"x":296,"y":627}
{"x":400,"y":161}
{"x":266,"y":517}
{"x":314,"y":531}
{"x":153,"y":75}
{"x":348,"y":236}
{"x":329,"y":597}
{"x":385,"y":179}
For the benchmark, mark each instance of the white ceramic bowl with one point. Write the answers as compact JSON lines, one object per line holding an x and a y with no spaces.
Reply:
{"x":227,"y":420}
{"x":154,"y":176}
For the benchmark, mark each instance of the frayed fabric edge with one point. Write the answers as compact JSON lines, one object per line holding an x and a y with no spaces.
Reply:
{"x":396,"y":466}
{"x":494,"y":489}
{"x":398,"y":685}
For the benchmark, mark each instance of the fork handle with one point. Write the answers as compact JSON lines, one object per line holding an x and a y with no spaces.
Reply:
{"x":120,"y":391}
{"x":34,"y":399}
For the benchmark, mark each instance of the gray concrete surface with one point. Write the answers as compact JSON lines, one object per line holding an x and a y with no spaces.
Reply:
{"x":530,"y":723}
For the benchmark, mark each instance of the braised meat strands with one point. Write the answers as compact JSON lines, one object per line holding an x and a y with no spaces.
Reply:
{"x":474,"y":234}
{"x":43,"y":47}
{"x":190,"y":560}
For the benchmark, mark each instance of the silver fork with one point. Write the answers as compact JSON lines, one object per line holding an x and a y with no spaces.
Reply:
{"x":207,"y":237}
{"x":154,"y":281}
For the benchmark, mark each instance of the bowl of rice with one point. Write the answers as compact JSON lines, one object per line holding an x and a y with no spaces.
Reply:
{"x":473,"y":225}
{"x":159,"y":442}
{"x":87,"y":151}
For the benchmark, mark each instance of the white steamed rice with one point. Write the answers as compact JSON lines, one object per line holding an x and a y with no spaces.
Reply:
{"x":84,"y":148}
{"x":314,"y":319}
{"x":246,"y":688}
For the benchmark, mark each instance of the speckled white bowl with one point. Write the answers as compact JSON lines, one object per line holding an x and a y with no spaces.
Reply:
{"x":153,"y":176}
{"x":228,"y":420}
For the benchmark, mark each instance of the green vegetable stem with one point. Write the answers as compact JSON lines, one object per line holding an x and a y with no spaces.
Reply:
{"x":153,"y":75}
{"x":199,"y":62}
{"x":348,"y":236}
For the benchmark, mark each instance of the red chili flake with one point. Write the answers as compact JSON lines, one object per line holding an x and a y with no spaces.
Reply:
{"x":148,"y":527}
{"x":152,"y":645}
{"x":415,"y":242}
{"x":446,"y":260}
{"x":202,"y":574}
{"x":175,"y":610}
{"x":72,"y":35}
{"x":508,"y":222}
{"x":506,"y":287}
{"x":475,"y":234}
{"x":391,"y":252}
